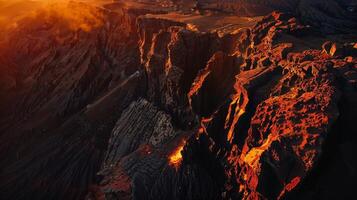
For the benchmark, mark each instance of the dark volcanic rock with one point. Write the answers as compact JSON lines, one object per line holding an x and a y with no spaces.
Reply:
{"x":121,"y":105}
{"x":172,"y":56}
{"x":57,"y":120}
{"x":329,"y":15}
{"x":140,"y":124}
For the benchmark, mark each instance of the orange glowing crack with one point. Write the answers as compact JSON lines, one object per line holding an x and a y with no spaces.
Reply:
{"x":239,"y":113}
{"x":290,"y":186}
{"x":176,"y":157}
{"x":240,"y":102}
{"x":253,"y":156}
{"x":197,"y":84}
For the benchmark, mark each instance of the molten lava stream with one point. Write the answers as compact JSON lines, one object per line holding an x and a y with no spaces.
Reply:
{"x":175,"y":157}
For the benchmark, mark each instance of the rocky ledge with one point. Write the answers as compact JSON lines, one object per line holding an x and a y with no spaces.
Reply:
{"x":135,"y":107}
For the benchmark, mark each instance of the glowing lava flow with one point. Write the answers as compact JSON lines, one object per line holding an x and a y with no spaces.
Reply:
{"x":176,"y":157}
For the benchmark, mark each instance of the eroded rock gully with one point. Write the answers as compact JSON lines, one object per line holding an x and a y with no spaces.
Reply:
{"x":140,"y":107}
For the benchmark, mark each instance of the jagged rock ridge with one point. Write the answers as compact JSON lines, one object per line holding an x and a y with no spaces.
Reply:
{"x":137,"y":107}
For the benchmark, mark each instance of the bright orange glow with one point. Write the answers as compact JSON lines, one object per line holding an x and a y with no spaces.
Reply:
{"x":176,"y":157}
{"x":240,"y":101}
{"x":290,"y":186}
{"x":197,"y":84}
{"x":253,"y":156}
{"x":70,"y":15}
{"x":202,"y":129}
{"x":75,"y":16}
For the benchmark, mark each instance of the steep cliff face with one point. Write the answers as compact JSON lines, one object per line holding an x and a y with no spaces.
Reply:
{"x":263,"y":107}
{"x":110,"y":103}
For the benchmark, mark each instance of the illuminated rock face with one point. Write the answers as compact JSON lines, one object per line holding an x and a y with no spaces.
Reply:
{"x":136,"y":107}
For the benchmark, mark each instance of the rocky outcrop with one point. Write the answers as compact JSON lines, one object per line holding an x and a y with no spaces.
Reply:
{"x":284,"y":148}
{"x":155,"y":126}
{"x":214,"y":84}
{"x":136,"y":152}
{"x":172,"y":56}
{"x":122,"y":105}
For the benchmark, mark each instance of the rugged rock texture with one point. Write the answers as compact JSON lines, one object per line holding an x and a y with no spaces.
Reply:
{"x":57,"y":116}
{"x":329,"y":15}
{"x":172,"y":56}
{"x":136,"y":151}
{"x":110,"y":103}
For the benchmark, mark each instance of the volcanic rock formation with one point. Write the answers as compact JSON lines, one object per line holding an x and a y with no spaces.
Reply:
{"x":107,"y":102}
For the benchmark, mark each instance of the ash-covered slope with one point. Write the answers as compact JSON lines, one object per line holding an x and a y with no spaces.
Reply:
{"x":107,"y":103}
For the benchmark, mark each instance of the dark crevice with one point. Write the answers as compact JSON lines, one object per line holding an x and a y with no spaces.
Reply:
{"x":256,"y":95}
